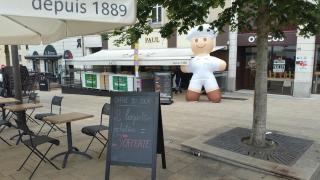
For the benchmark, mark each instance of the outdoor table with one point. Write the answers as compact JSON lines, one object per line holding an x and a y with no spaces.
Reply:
{"x":3,"y":102}
{"x":21,"y":107}
{"x":68,"y":118}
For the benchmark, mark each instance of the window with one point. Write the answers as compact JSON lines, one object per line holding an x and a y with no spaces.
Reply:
{"x":19,"y":58}
{"x":157,"y":14}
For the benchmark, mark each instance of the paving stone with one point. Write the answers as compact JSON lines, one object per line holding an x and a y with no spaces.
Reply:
{"x":248,"y":174}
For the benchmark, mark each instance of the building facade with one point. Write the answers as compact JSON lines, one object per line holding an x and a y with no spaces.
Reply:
{"x":51,"y":58}
{"x":293,"y":63}
{"x":22,"y":49}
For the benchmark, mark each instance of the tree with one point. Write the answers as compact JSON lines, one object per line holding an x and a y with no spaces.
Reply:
{"x":266,"y":17}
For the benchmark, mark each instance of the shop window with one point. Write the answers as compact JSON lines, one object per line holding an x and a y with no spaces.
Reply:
{"x":156,"y":14}
{"x":282,"y":62}
{"x":281,"y":69}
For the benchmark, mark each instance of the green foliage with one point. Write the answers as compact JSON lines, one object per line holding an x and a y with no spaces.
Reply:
{"x":242,"y":15}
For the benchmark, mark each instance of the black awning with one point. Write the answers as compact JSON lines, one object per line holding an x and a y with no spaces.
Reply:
{"x":44,"y":57}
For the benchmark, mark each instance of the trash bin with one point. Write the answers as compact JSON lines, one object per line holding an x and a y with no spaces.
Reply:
{"x":44,"y":85}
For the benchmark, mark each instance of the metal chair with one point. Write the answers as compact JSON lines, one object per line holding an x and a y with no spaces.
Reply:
{"x":4,"y":124}
{"x":97,"y":129}
{"x":56,"y":101}
{"x":32,"y":99}
{"x":32,"y":142}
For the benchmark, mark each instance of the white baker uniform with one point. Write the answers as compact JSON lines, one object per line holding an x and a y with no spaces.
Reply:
{"x":202,"y":68}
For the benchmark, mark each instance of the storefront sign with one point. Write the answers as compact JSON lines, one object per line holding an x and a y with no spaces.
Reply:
{"x":50,"y":50}
{"x":152,"y":40}
{"x":250,"y":39}
{"x":67,"y":54}
{"x":279,"y":65}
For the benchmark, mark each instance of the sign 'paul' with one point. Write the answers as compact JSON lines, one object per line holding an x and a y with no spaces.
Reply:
{"x":203,"y":41}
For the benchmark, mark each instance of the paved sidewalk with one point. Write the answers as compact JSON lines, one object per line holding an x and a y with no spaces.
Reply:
{"x":182,"y":121}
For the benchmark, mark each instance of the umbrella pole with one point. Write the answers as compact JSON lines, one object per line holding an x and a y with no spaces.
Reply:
{"x":21,"y":115}
{"x":16,"y":72}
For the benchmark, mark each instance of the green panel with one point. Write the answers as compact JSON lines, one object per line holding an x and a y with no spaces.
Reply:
{"x":91,"y":80}
{"x":120,"y":83}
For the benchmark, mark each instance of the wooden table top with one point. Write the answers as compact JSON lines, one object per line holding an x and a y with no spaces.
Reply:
{"x":22,"y":107}
{"x":8,"y":100}
{"x":68,"y":117}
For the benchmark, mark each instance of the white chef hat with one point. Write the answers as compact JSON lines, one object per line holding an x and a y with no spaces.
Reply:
{"x":206,"y":32}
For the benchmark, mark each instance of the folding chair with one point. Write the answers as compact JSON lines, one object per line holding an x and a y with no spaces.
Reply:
{"x":32,"y":142}
{"x":56,"y":101}
{"x":96,"y":129}
{"x":32,"y":99}
{"x":4,"y":124}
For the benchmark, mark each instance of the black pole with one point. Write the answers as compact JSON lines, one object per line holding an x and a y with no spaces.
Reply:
{"x":16,"y":73}
{"x":6,"y":51}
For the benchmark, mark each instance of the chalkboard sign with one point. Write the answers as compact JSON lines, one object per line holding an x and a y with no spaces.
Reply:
{"x":135,"y":131}
{"x":163,"y":84}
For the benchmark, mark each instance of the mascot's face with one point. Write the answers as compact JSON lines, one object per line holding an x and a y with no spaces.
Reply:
{"x":202,"y":45}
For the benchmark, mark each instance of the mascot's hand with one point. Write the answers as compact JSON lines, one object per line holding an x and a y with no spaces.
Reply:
{"x":184,"y":69}
{"x":222,"y":66}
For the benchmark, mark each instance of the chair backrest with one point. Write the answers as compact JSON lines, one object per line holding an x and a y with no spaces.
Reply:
{"x":32,"y":97}
{"x":105,"y":111}
{"x":56,"y":101}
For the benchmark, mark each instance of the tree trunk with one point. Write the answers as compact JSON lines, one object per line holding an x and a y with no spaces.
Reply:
{"x":260,"y":96}
{"x":6,"y":52}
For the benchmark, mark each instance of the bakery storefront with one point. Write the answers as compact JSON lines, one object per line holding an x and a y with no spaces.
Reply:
{"x":281,"y":62}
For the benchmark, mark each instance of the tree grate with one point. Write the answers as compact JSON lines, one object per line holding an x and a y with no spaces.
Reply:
{"x":287,"y":152}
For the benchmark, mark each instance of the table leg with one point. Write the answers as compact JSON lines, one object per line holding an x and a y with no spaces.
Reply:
{"x":23,"y":125}
{"x":71,"y":149}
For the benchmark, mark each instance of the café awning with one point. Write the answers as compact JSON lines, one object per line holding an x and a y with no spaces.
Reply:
{"x":44,"y":57}
{"x":147,"y":57}
{"x":39,"y":21}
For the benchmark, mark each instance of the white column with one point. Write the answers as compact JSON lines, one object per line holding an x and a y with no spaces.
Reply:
{"x":232,"y":70}
{"x":304,"y":67}
{"x":42,"y":68}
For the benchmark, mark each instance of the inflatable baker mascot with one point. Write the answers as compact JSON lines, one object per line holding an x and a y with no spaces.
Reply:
{"x":203,"y":65}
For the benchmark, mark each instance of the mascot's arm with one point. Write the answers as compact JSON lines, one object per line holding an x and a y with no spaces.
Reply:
{"x":223,"y":65}
{"x":184,"y":69}
{"x":218,"y":64}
